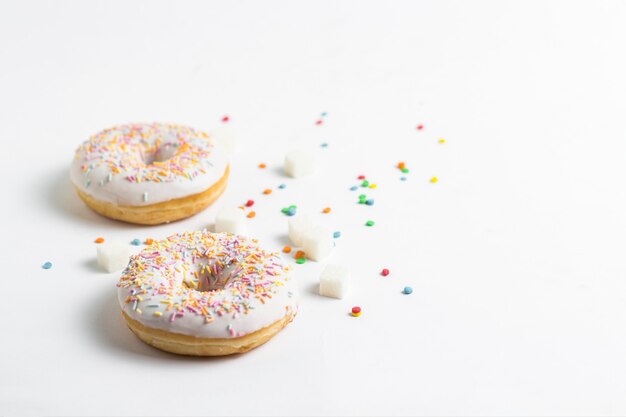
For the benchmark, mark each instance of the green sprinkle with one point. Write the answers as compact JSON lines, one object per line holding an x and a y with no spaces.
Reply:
{"x":405,"y":170}
{"x":370,"y":223}
{"x":365,"y":183}
{"x":300,"y":261}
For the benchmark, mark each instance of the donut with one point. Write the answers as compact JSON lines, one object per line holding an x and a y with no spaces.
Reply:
{"x":149,"y":173}
{"x":206,"y":294}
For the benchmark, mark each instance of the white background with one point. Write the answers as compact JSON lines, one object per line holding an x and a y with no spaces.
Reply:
{"x":516,"y":256}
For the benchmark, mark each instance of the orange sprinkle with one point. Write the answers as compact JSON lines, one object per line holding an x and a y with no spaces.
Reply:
{"x":287,"y":249}
{"x":267,"y":191}
{"x":99,"y":240}
{"x":401,"y":165}
{"x":299,"y":254}
{"x":326,"y":210}
{"x":251,"y":214}
{"x":149,"y":241}
{"x":262,"y":166}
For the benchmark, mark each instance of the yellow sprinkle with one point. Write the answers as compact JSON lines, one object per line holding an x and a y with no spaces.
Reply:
{"x":442,"y":141}
{"x":373,"y":185}
{"x":434,"y":179}
{"x":158,"y":313}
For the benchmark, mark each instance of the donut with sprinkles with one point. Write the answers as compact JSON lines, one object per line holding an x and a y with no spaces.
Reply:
{"x":149,"y":173}
{"x":206,"y":294}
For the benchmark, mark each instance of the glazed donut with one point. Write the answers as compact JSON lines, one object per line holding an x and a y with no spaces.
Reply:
{"x":206,"y":294}
{"x":149,"y":173}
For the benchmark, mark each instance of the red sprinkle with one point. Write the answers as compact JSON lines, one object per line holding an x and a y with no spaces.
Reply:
{"x":384,"y":272}
{"x":319,"y":122}
{"x":361,"y":177}
{"x":225,"y":119}
{"x":356,"y":311}
{"x":249,"y":203}
{"x":420,"y":127}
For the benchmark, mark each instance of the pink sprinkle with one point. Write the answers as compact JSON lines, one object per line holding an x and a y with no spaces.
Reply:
{"x":319,"y":122}
{"x":420,"y":127}
{"x":225,"y":119}
{"x":384,"y":272}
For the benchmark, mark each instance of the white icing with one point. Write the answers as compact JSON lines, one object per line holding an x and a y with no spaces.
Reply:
{"x":92,"y":174}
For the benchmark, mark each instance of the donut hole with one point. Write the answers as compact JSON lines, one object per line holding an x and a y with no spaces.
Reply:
{"x":159,"y":152}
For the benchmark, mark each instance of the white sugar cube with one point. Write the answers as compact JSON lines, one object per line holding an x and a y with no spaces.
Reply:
{"x":226,"y":139}
{"x":113,"y":256}
{"x":334,"y":281}
{"x":297,"y":227}
{"x":300,"y":162}
{"x":317,"y":243}
{"x":231,"y":220}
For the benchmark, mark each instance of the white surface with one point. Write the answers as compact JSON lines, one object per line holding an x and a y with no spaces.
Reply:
{"x":516,"y":255}
{"x":335,"y":281}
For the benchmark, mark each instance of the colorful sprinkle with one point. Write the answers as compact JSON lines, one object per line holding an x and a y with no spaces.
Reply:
{"x":337,"y":234}
{"x":356,"y":311}
{"x":300,"y":261}
{"x":225,"y":119}
{"x":407,"y":290}
{"x":420,"y":127}
{"x":384,"y":272}
{"x":402,"y":178}
{"x":365,"y":183}
{"x":326,"y":210}
{"x":370,"y":202}
{"x":251,"y":214}
{"x":319,"y":122}
{"x":405,"y":170}
{"x":373,"y":185}
{"x":360,"y":177}
{"x":135,"y":242}
{"x":354,"y":188}
{"x":149,"y":241}
{"x":434,"y":180}
{"x":442,"y":141}
{"x":370,"y":223}
{"x":282,"y":186}
{"x":289,"y":211}
{"x":287,"y":249}
{"x":324,"y":145}
{"x":267,"y":191}
{"x":249,"y":203}
{"x":99,"y":240}
{"x":401,"y":165}
{"x":262,"y":166}
{"x":47,"y":265}
{"x":300,"y":254}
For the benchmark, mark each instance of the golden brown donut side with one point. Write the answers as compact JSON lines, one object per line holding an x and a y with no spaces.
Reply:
{"x":198,"y":346}
{"x":165,"y":212}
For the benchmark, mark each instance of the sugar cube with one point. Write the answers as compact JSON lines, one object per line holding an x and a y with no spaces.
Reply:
{"x":231,"y":220}
{"x":334,"y":281}
{"x":113,"y":255}
{"x":317,"y":243}
{"x":297,"y":226}
{"x":300,"y":162}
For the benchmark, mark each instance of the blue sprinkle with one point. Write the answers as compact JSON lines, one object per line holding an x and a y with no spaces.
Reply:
{"x":324,"y":114}
{"x":135,"y":242}
{"x":337,"y":234}
{"x":354,"y":188}
{"x":281,"y":186}
{"x":324,"y":145}
{"x":291,"y":211}
{"x":407,"y":290}
{"x":47,"y":265}
{"x":402,"y":178}
{"x":370,"y":202}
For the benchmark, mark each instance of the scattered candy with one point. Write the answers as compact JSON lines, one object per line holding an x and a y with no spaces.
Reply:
{"x":267,"y":191}
{"x":354,"y":188}
{"x":360,"y":177}
{"x":356,"y":311}
{"x":365,"y":183}
{"x":135,"y":242}
{"x":251,"y":214}
{"x":407,"y":290}
{"x":249,"y":203}
{"x":149,"y":241}
{"x":434,"y":179}
{"x":326,"y":210}
{"x":370,"y":202}
{"x":299,"y":254}
{"x":47,"y":265}
{"x":99,"y":240}
{"x":337,"y":234}
{"x":324,"y":145}
{"x":373,"y":185}
{"x":442,"y":141}
{"x":231,"y":220}
{"x":262,"y":166}
{"x":402,"y":178}
{"x":287,"y":249}
{"x":334,"y":281}
{"x":384,"y":272}
{"x":405,"y":170}
{"x":362,"y":199}
{"x":282,"y":186}
{"x":225,"y":119}
{"x":300,"y":261}
{"x":370,"y":223}
{"x":319,"y":122}
{"x":420,"y":127}
{"x":289,"y":211}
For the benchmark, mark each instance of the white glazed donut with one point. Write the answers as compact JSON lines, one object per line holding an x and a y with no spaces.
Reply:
{"x":206,"y":294}
{"x":149,"y":173}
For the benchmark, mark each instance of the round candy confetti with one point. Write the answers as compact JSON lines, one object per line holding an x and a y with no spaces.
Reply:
{"x":365,"y":183}
{"x":299,"y":254}
{"x":262,"y":166}
{"x":360,"y":177}
{"x":251,"y":214}
{"x":402,"y":178}
{"x":442,"y":141}
{"x":356,"y":311}
{"x":326,"y":210}
{"x":370,"y":202}
{"x":149,"y":241}
{"x":370,"y":223}
{"x":384,"y":272}
{"x":225,"y":119}
{"x":281,"y":186}
{"x":405,"y":170}
{"x":249,"y":203}
{"x":300,"y":261}
{"x":99,"y":240}
{"x":353,"y":188}
{"x":135,"y":242}
{"x":324,"y":145}
{"x":267,"y":191}
{"x":47,"y":265}
{"x":434,"y":179}
{"x":420,"y":127}
{"x":407,"y":290}
{"x":287,"y":249}
{"x":337,"y":234}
